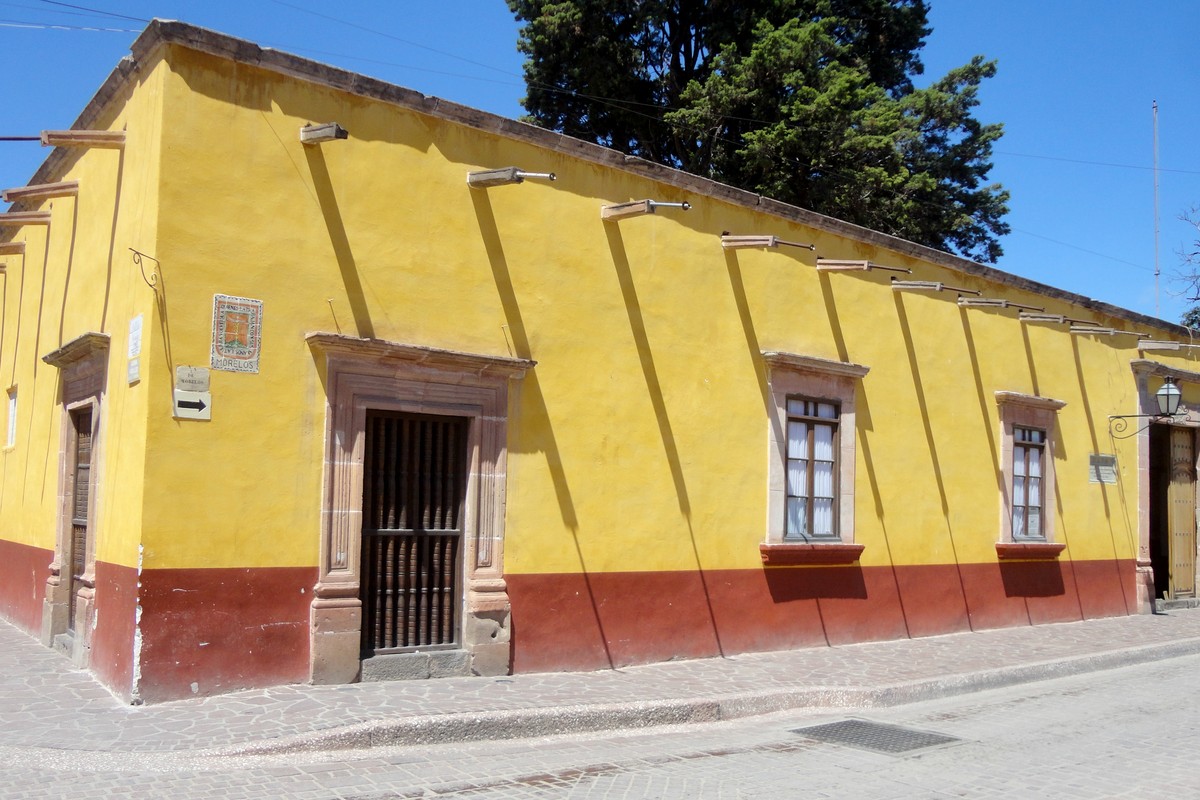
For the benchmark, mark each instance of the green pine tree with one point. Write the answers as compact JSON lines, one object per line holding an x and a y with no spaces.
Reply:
{"x":811,"y":102}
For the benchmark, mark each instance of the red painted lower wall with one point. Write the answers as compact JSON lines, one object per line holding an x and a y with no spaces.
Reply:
{"x":581,"y":622}
{"x":207,"y":631}
{"x":111,"y":658}
{"x":23,"y":573}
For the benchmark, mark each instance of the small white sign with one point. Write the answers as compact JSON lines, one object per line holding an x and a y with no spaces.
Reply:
{"x":135,"y":337}
{"x":1102,"y":468}
{"x":133,"y":369}
{"x":192,"y":405}
{"x":192,"y":379}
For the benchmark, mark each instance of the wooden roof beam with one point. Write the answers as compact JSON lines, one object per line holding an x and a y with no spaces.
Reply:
{"x":41,"y":191}
{"x":1096,"y":330}
{"x":503,"y":176}
{"x":637,"y":208}
{"x":731,"y":242}
{"x":12,"y":248}
{"x":324,"y":132}
{"x":1053,"y":319}
{"x":928,"y":286}
{"x":1156,"y":344}
{"x":114,"y":140}
{"x":995,"y":302}
{"x":13,"y":219}
{"x":843,"y":265}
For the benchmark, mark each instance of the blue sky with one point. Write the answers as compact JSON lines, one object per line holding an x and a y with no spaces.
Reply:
{"x":1074,"y":91}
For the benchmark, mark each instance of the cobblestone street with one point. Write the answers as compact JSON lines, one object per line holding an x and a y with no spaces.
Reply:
{"x":1120,"y":733}
{"x":1117,"y":724}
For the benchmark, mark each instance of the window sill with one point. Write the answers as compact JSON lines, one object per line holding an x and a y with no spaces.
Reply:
{"x":790,"y":554}
{"x":1034,"y":550}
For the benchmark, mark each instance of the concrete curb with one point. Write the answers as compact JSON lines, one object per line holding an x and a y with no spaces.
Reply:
{"x":535,"y":722}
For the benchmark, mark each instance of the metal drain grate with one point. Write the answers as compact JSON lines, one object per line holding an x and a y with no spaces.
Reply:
{"x":874,"y":736}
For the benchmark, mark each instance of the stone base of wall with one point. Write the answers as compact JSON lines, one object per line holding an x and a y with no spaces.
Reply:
{"x":417,"y":666}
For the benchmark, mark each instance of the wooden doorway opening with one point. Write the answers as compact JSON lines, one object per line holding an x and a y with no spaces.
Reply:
{"x":80,"y":501}
{"x":415,"y":474}
{"x":1173,"y":511}
{"x":1181,"y":497}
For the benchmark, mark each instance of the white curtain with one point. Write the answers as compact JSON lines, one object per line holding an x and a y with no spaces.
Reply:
{"x":796,"y":523}
{"x":821,"y":459}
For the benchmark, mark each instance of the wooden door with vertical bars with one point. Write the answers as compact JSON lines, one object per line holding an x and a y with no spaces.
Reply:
{"x":414,"y":487}
{"x":81,"y":482}
{"x":1181,"y":499}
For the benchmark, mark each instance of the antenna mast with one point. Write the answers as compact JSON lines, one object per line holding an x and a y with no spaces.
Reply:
{"x":1157,"y":271}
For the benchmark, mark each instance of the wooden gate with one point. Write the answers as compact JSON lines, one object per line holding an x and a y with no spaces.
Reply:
{"x":414,"y":485}
{"x":1181,"y":499}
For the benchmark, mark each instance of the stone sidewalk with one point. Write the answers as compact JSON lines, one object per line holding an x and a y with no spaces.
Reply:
{"x":44,"y":704}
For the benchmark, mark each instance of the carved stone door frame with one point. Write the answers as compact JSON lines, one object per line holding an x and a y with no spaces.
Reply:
{"x":83,"y":371}
{"x":362,"y":374}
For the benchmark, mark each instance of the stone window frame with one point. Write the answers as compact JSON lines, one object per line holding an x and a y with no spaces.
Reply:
{"x":83,"y":372}
{"x":810,"y":414}
{"x":1019,"y":410}
{"x":362,"y":374}
{"x":812,"y":378}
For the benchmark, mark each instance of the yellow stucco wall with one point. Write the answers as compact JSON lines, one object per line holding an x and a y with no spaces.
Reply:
{"x":77,"y":276}
{"x":639,"y":442}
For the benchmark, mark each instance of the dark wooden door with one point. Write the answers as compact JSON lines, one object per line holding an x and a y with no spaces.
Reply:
{"x":81,"y":423}
{"x":414,"y":487}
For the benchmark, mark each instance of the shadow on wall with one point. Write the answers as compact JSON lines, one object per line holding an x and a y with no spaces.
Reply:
{"x":340,"y":242}
{"x":62,"y":314}
{"x":919,"y":389}
{"x":864,"y":424}
{"x":112,"y":238}
{"x":533,"y":403}
{"x":827,"y":583}
{"x":1085,"y":400}
{"x":1032,"y":579}
{"x":655,"y":616}
{"x":637,"y":325}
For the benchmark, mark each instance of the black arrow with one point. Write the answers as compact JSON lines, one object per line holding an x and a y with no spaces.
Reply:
{"x":195,"y":405}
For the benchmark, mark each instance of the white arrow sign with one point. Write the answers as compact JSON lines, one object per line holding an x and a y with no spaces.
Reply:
{"x":192,"y":405}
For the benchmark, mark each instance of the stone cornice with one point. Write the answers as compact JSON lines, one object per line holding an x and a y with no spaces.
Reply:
{"x":1146,"y":367}
{"x":1029,"y":401}
{"x":77,"y":349}
{"x":824,"y":366}
{"x":334,"y":343}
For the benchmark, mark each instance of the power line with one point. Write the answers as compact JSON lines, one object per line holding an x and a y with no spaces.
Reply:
{"x":25,"y":7}
{"x":397,"y":65}
{"x":96,"y":11}
{"x":390,"y":36}
{"x":620,"y":104}
{"x":1095,"y":163}
{"x":626,"y":105}
{"x":50,"y":26}
{"x":1083,"y":250}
